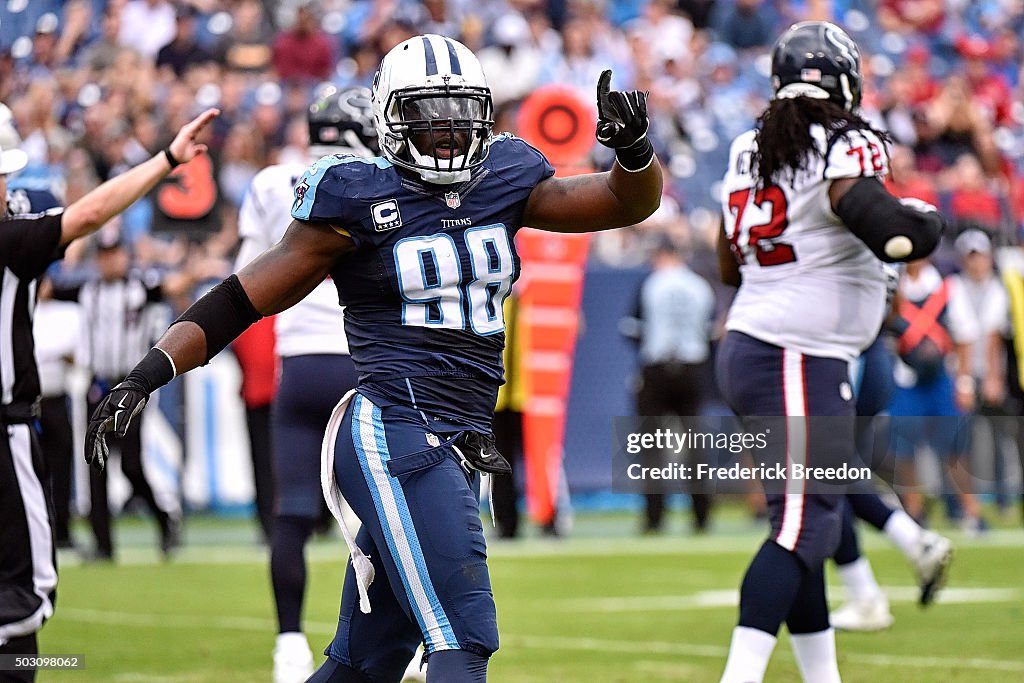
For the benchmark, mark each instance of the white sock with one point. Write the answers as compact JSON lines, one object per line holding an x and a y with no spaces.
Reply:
{"x":292,"y":639}
{"x":748,"y":655}
{"x":816,"y":656}
{"x":860,"y":581}
{"x":904,"y":532}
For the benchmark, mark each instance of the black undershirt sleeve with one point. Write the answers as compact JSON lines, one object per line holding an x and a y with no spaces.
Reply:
{"x":878,"y":218}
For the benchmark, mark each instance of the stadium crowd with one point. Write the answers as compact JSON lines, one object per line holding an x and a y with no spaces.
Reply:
{"x":95,"y":87}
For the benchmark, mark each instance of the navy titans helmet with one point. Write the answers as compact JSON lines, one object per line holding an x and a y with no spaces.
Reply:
{"x":817,"y":59}
{"x":342,"y":120}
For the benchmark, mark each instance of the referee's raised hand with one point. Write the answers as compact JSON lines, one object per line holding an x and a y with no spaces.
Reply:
{"x":184,"y":147}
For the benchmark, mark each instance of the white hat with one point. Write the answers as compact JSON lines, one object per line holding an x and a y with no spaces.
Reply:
{"x":12,"y":161}
{"x":971,"y":241}
{"x":8,"y":134}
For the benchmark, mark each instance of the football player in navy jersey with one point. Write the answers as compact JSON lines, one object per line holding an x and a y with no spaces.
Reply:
{"x":420,"y":244}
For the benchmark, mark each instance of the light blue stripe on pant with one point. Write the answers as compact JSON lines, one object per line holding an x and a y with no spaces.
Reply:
{"x":396,"y":522}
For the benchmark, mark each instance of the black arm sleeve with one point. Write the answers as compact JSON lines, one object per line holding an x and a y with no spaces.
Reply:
{"x":876,"y":217}
{"x":223,"y":313}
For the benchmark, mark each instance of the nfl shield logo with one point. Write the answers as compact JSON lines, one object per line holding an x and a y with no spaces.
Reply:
{"x":452,"y":200}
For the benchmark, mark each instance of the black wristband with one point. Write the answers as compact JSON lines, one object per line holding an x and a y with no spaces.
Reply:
{"x":170,"y":158}
{"x":637,"y":156}
{"x":153,"y":371}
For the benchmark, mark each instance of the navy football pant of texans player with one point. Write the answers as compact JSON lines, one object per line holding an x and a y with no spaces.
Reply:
{"x":311,"y":385}
{"x":422,"y":531}
{"x":763,"y":383}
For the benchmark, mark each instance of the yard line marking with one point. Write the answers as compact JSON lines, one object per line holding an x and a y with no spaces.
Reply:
{"x":527,"y":549}
{"x":717,"y":652}
{"x":267,"y":626}
{"x":715,"y":599}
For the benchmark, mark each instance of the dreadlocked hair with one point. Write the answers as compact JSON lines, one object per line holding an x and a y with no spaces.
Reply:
{"x":783,"y":135}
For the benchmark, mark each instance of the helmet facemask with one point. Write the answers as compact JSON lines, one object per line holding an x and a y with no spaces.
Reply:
{"x":439,"y":131}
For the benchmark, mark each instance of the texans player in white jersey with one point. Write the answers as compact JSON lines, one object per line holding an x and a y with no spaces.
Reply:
{"x":316,"y":369}
{"x":420,"y":245}
{"x":807,"y":223}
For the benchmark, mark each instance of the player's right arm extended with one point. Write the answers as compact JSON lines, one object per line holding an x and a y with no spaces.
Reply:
{"x":278,"y":279}
{"x":893,"y":229}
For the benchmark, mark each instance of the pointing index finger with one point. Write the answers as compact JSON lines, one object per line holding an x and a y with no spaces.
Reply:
{"x":603,"y":86}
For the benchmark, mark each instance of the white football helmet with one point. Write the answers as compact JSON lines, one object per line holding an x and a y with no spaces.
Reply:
{"x":432,"y":108}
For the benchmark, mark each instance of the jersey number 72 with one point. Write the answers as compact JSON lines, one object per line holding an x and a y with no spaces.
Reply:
{"x":762,"y":238}
{"x":430,"y":279}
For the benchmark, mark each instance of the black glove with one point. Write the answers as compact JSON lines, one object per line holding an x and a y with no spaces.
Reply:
{"x":622,"y":124}
{"x":113,"y":414}
{"x":621,"y":116}
{"x":478,"y":452}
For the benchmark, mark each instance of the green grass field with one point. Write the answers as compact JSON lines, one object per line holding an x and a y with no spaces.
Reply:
{"x":603,"y":606}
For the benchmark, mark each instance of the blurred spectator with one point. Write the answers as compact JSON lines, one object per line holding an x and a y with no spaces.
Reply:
{"x":245,"y":45}
{"x":666,"y":33}
{"x":147,"y":25}
{"x":745,"y":25}
{"x":983,"y":289}
{"x":440,"y":19}
{"x":989,"y":90}
{"x":905,"y":16}
{"x":973,"y":199}
{"x":241,"y":160}
{"x":76,"y":29}
{"x":895,"y":111}
{"x":304,"y":52}
{"x":184,"y":50}
{"x":958,"y":127}
{"x":698,"y":11}
{"x":921,"y":86}
{"x":44,"y":56}
{"x":905,"y":180}
{"x":99,"y":55}
{"x":933,"y":322}
{"x":512,"y":65}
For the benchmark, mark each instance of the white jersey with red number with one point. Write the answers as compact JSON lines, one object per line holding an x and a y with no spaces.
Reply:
{"x":316,"y":324}
{"x":809,"y":284}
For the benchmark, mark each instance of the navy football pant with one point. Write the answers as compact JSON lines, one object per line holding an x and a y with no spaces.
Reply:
{"x":761,"y":380}
{"x":422,"y":531}
{"x":310,"y":387}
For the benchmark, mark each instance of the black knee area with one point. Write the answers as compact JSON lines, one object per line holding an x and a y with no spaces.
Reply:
{"x":809,"y":613}
{"x":223,"y":313}
{"x":849,"y":549}
{"x":871,"y":508}
{"x":775,"y":567}
{"x":336,"y":672}
{"x":456,"y":666}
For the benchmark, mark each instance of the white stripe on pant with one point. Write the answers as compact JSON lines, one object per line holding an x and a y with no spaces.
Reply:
{"x":40,"y":538}
{"x":795,"y":401}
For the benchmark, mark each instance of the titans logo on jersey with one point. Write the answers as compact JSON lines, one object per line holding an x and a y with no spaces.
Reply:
{"x":424,"y":289}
